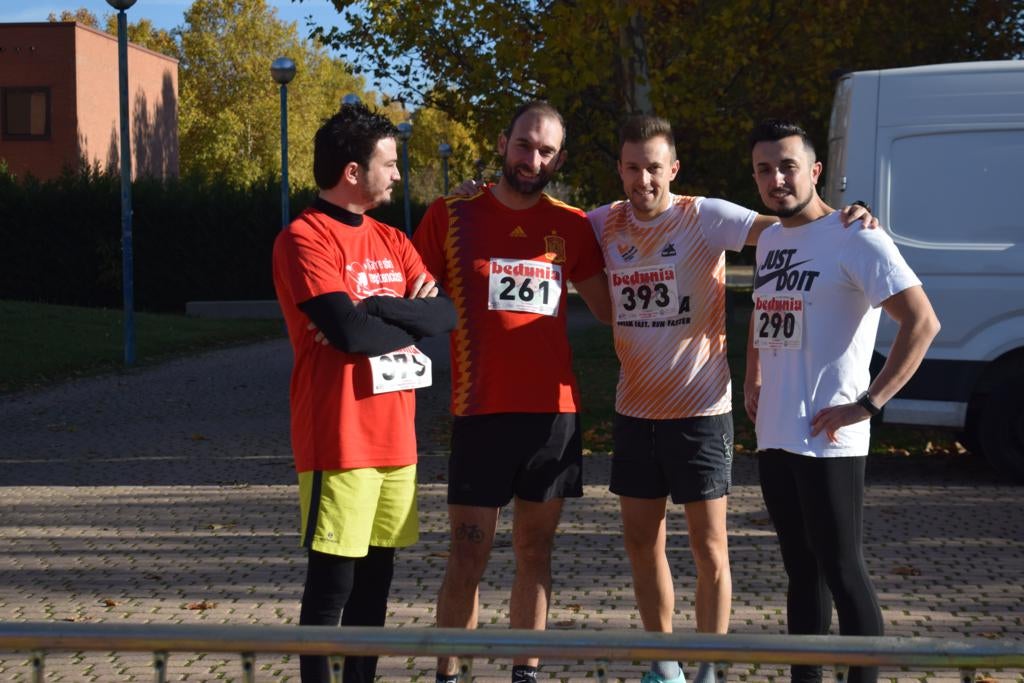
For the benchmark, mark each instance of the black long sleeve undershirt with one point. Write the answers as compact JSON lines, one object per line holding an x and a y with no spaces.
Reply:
{"x":419,"y":317}
{"x":352,"y":329}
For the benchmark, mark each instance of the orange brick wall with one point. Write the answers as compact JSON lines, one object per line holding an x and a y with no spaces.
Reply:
{"x":79,"y":64}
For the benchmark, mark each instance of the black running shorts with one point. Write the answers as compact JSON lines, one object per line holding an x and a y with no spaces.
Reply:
{"x":533,"y":456}
{"x":689,"y":458}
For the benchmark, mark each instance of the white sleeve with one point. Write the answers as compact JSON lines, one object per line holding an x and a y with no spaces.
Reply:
{"x":597,"y":218}
{"x":871,"y":260}
{"x":724,"y":225}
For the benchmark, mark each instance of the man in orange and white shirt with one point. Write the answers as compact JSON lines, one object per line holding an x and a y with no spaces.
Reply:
{"x":673,"y":431}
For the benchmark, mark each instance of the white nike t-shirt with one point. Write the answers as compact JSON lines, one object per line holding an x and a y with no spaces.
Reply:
{"x":817,"y":292}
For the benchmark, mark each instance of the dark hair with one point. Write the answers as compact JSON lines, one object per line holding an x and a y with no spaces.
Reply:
{"x":350,"y":135}
{"x":644,"y":127}
{"x":544,"y":109}
{"x":772,"y":130}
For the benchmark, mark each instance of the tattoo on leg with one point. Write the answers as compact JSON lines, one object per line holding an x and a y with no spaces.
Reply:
{"x":469,"y":532}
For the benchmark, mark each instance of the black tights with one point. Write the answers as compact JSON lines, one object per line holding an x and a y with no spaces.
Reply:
{"x":816,"y":505}
{"x":354,"y":589}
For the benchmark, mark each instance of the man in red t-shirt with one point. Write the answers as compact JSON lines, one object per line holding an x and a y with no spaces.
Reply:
{"x":505,"y":256}
{"x":356,"y":297}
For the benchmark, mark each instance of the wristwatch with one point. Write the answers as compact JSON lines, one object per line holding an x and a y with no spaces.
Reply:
{"x":865,"y":402}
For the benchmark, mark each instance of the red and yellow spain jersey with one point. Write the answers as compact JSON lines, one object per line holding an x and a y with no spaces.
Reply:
{"x":506,"y":272}
{"x":337,"y":421}
{"x":667,"y":282}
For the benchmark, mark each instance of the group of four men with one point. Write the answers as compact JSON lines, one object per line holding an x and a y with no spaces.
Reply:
{"x":357,"y":296}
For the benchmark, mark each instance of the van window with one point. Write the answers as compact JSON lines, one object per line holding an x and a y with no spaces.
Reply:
{"x":957,"y":187}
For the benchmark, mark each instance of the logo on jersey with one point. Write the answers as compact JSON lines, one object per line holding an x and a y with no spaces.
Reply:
{"x":627,"y":252}
{"x":779,"y":266}
{"x":554,"y":247}
{"x":518,"y":232}
{"x":669,"y":250}
{"x":372,"y":277}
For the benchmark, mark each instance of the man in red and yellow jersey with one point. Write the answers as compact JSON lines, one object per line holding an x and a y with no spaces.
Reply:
{"x":673,"y":432}
{"x":356,"y":297}
{"x":505,"y":256}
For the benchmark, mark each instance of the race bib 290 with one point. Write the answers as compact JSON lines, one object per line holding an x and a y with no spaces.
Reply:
{"x":778,"y":321}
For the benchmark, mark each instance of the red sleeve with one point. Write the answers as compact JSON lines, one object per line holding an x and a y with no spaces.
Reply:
{"x":429,"y":239}
{"x":590,"y":260}
{"x":305,"y":263}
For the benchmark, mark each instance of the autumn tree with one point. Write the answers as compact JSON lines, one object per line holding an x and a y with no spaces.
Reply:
{"x":230,"y":106}
{"x":711,"y":68}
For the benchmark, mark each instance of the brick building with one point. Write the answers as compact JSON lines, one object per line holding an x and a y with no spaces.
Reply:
{"x":59,"y":105}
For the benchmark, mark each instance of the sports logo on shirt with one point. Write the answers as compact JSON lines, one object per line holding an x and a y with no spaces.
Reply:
{"x":554,"y":247}
{"x":669,"y":250}
{"x":778,"y":266}
{"x":627,"y":252}
{"x":518,"y":232}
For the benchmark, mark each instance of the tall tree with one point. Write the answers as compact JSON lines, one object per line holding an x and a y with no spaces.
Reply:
{"x":230,"y":113}
{"x":711,"y":68}
{"x":82,"y":15}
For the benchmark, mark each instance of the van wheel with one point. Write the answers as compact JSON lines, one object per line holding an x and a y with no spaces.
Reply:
{"x":1002,"y":428}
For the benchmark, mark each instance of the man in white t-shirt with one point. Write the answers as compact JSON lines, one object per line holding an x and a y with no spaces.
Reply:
{"x":818,"y":291}
{"x":673,"y":432}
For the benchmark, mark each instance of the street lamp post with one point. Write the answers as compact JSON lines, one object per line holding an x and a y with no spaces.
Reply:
{"x":127,"y":265}
{"x":445,"y":150}
{"x":282,"y":70}
{"x":404,"y":133}
{"x":350,"y":98}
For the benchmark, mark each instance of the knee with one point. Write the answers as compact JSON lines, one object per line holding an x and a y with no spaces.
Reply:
{"x":533,"y":550}
{"x":467,"y":562}
{"x":711,"y":554}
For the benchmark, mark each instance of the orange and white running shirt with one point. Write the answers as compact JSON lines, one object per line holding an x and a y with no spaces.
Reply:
{"x":667,"y":282}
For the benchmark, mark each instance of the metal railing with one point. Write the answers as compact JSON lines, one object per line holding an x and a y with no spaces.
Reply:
{"x":598,"y":646}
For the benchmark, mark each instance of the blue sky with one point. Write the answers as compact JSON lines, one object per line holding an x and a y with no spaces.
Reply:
{"x":163,"y":13}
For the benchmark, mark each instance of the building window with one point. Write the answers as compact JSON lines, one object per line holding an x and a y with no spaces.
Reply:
{"x":25,"y":113}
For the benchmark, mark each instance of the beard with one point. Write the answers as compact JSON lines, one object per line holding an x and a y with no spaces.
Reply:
{"x":800,"y":206}
{"x":531,"y":186}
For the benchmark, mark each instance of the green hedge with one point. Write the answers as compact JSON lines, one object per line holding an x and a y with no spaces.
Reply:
{"x":193,"y":238}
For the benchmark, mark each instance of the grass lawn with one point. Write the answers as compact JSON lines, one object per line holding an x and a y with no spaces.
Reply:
{"x":597,"y":369}
{"x":44,"y":343}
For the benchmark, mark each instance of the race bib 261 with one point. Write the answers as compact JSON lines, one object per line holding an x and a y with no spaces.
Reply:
{"x":524,"y":286}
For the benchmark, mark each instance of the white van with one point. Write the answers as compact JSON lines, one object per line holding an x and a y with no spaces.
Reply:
{"x":938,"y":152}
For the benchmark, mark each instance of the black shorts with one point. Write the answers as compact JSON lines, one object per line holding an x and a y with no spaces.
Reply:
{"x":533,"y":456}
{"x":689,"y":458}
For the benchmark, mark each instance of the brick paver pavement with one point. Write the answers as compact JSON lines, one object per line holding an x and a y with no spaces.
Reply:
{"x":166,"y":495}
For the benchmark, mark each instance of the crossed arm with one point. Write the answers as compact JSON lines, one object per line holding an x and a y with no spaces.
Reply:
{"x":379,"y":324}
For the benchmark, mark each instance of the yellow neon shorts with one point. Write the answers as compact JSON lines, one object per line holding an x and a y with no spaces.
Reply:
{"x":346,"y":511}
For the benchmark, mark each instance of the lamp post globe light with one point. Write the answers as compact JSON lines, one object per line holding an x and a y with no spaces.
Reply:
{"x":127,"y":262}
{"x":445,"y":150}
{"x":404,"y":133}
{"x":282,"y":70}
{"x":350,"y":98}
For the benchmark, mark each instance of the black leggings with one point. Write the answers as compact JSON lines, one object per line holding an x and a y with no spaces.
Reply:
{"x":354,"y":589}
{"x":816,"y":505}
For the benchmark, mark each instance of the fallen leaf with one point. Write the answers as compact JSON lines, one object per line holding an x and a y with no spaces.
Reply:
{"x":110,"y":603}
{"x":201,"y":605}
{"x":991,"y":635}
{"x":574,"y":607}
{"x":226,"y":525}
{"x":906,"y":570}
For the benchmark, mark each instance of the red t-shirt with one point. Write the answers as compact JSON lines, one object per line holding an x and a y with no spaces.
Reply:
{"x":337,"y":422}
{"x":506,"y":272}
